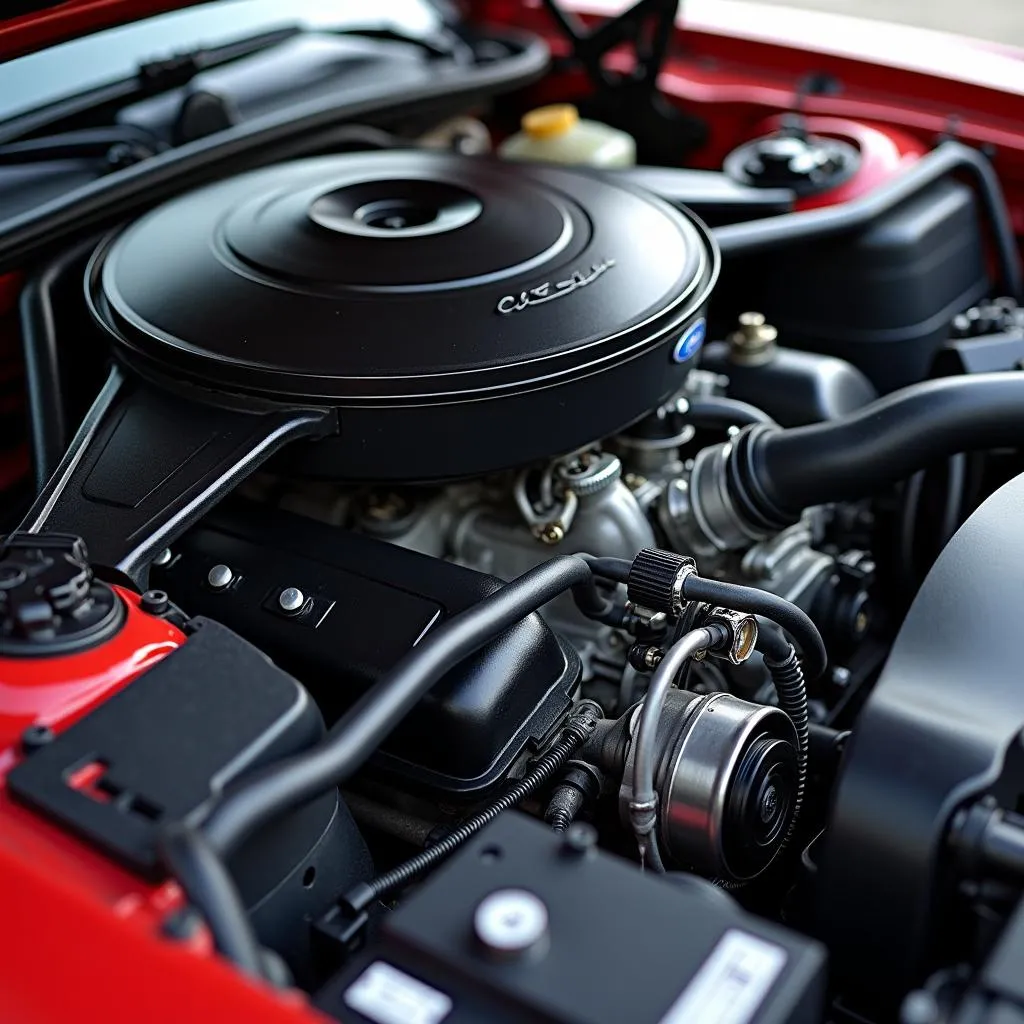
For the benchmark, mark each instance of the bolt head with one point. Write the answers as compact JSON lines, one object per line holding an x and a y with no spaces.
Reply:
{"x":220,"y":576}
{"x":580,"y":838}
{"x":155,"y":602}
{"x":510,"y":923}
{"x":163,"y":558}
{"x":34,"y":737}
{"x":653,"y":657}
{"x":552,"y":533}
{"x":291,"y":600}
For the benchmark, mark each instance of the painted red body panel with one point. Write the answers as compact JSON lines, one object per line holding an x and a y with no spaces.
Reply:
{"x":81,"y":938}
{"x":57,"y":691}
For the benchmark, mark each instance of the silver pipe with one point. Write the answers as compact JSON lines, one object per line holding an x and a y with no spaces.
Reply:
{"x":643,"y":807}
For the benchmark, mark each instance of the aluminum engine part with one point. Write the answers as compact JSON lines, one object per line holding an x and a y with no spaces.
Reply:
{"x":788,"y":564}
{"x":726,"y":779}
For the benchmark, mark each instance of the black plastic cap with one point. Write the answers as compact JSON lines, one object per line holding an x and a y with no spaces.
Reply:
{"x":652,"y":579}
{"x":50,"y":603}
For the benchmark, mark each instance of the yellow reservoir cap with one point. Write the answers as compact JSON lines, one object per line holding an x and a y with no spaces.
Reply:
{"x":547,"y":122}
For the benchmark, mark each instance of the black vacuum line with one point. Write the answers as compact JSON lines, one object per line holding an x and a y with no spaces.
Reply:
{"x":48,"y":430}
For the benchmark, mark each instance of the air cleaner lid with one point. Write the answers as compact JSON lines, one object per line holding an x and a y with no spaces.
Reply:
{"x":399,"y":275}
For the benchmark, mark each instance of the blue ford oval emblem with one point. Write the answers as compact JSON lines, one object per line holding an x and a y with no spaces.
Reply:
{"x":690,"y":342}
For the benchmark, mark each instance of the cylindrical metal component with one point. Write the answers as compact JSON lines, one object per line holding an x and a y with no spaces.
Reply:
{"x":656,"y":580}
{"x":711,"y":503}
{"x":645,"y":657}
{"x":726,"y":780}
{"x":754,"y":343}
{"x":742,"y":629}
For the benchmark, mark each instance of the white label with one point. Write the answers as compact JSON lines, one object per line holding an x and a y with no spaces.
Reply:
{"x":732,"y":983}
{"x":389,"y":996}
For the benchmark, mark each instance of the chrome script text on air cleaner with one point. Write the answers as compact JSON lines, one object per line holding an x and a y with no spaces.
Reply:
{"x":553,"y":289}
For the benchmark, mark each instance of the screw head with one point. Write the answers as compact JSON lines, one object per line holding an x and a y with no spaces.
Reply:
{"x":291,"y":600}
{"x":155,"y":602}
{"x":163,"y":558}
{"x":551,"y":533}
{"x":34,"y":737}
{"x":510,"y":922}
{"x":580,"y":838}
{"x":220,"y":576}
{"x":841,"y":676}
{"x":181,"y":924}
{"x":919,"y":1007}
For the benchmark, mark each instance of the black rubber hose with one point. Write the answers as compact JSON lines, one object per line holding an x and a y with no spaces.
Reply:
{"x":952,"y":510}
{"x":86,"y":143}
{"x":364,"y":894}
{"x":759,"y":602}
{"x":784,"y":667}
{"x":909,"y":515}
{"x":616,"y":569}
{"x":37,"y":319}
{"x":773,"y":232}
{"x":789,"y":470}
{"x":210,"y":890}
{"x":955,"y":471}
{"x":716,"y":411}
{"x":266,"y":793}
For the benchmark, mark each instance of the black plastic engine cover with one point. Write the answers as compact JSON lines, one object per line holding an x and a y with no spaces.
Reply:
{"x":366,"y":604}
{"x":941,"y":729}
{"x":619,"y":945}
{"x":882,"y":298}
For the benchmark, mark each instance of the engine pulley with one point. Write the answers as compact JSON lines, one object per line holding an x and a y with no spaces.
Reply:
{"x":726,"y":779}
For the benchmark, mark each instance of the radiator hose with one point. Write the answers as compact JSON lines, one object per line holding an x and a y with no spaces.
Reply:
{"x":772,"y":474}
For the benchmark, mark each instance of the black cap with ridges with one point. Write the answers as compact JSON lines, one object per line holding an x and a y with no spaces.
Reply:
{"x":656,"y":578}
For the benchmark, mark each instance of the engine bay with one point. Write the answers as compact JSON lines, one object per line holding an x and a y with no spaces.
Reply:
{"x":494,"y":584}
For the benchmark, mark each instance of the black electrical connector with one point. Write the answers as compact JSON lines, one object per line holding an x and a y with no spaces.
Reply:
{"x":989,"y":840}
{"x":578,"y":787}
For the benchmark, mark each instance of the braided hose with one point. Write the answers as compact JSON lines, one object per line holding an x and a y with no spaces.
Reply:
{"x":577,"y":729}
{"x":788,"y":677}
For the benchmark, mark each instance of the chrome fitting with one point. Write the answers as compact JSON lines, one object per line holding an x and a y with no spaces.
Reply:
{"x":742,"y":634}
{"x":698,"y":513}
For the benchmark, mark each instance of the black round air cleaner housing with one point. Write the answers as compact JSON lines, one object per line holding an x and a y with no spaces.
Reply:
{"x":443,"y":315}
{"x":464,"y":315}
